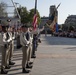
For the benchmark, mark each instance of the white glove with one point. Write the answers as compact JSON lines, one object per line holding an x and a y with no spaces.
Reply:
{"x":28,"y":42}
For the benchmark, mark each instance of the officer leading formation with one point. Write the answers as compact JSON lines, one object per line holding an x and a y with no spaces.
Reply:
{"x":28,"y":42}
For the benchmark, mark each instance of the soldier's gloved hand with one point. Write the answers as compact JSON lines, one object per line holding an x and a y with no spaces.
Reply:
{"x":28,"y":42}
{"x":26,"y":46}
{"x":10,"y":41}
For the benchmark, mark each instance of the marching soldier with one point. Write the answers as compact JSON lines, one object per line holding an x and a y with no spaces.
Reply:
{"x":25,"y":47}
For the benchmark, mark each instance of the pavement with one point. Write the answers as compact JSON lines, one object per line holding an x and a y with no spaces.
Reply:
{"x":54,"y":56}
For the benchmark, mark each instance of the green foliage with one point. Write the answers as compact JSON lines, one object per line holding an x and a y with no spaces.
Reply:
{"x":24,"y":15}
{"x":31,"y":14}
{"x":27,"y":16}
{"x":71,"y":28}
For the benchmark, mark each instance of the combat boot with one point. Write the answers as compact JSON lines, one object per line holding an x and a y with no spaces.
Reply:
{"x":25,"y":71}
{"x":3,"y":71}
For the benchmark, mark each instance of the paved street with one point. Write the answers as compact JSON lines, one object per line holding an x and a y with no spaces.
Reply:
{"x":55,"y":56}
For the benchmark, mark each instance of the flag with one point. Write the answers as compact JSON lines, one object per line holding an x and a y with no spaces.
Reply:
{"x":52,"y":16}
{"x":52,"y":22}
{"x":35,"y":16}
{"x":35,"y":21}
{"x":56,"y":27}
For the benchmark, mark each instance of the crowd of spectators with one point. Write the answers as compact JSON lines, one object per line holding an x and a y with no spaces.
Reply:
{"x":70,"y":34}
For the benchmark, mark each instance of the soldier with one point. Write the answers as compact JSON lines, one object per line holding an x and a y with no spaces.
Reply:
{"x":36,"y":35}
{"x":18,"y":38}
{"x":25,"y":47}
{"x":3,"y":71}
{"x":8,"y":40}
{"x":29,"y":38}
{"x":31,"y":44}
{"x":12,"y":36}
{"x":34,"y":48}
{"x":4,"y":44}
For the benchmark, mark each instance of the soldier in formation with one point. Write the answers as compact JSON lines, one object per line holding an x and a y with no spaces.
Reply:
{"x":26,"y":49}
{"x":6,"y":44}
{"x":28,"y":41}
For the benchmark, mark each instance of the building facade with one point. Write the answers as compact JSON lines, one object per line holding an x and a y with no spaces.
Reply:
{"x":9,"y":21}
{"x":70,"y":21}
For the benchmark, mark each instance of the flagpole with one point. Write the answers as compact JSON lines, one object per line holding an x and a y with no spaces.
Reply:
{"x":35,"y":16}
{"x":35,"y":6}
{"x":34,"y":28}
{"x":58,"y":6}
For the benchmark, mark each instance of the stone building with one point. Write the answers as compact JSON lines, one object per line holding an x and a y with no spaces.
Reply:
{"x":69,"y":22}
{"x":43,"y":21}
{"x":52,"y":10}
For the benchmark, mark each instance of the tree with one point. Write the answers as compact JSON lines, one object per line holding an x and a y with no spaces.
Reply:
{"x":26,"y":16}
{"x":31,"y":14}
{"x":64,"y":27}
{"x":23,"y":14}
{"x":71,"y":28}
